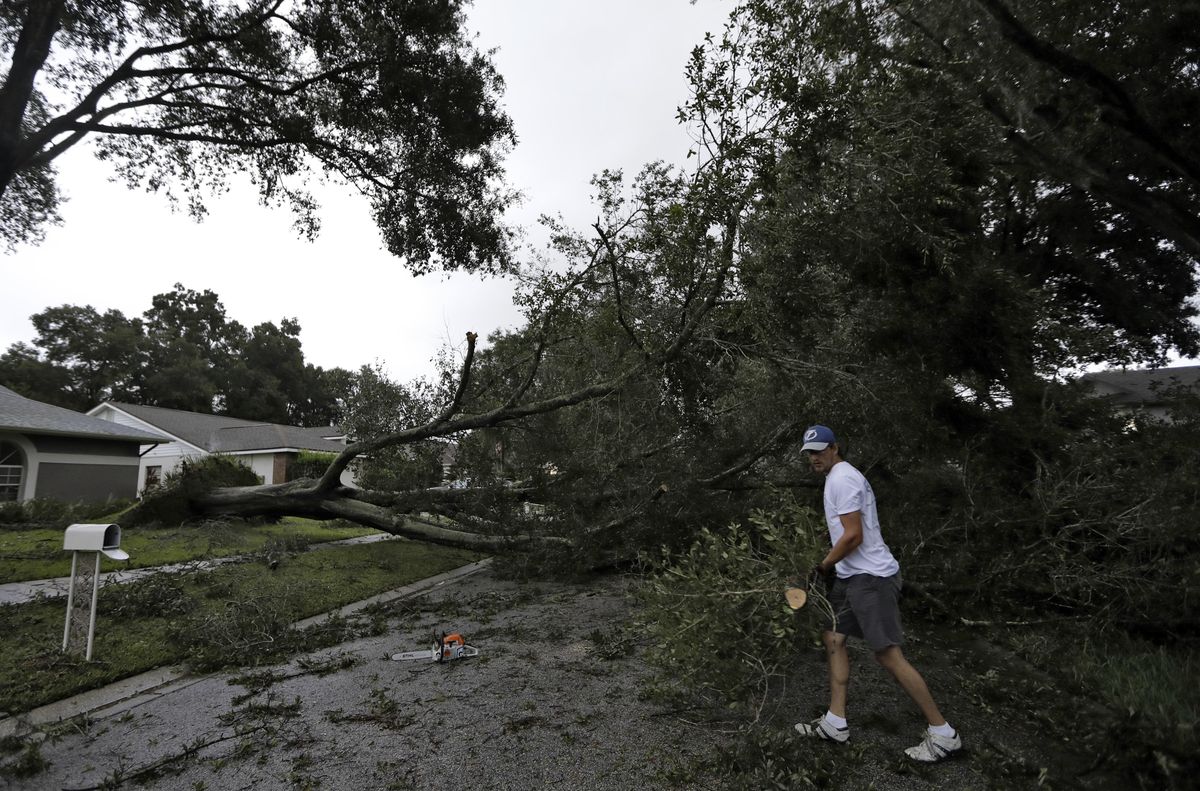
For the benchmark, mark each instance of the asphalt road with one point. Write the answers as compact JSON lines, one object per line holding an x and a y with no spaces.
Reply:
{"x":541,"y":708}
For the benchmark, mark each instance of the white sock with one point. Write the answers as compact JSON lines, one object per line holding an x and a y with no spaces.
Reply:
{"x":835,"y":720}
{"x":942,"y":730}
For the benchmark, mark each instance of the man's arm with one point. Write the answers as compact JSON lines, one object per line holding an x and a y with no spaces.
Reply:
{"x":851,"y":538}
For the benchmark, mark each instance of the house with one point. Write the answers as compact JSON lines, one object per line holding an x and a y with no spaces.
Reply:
{"x":1143,"y":389}
{"x":47,"y":451}
{"x":266,"y":448}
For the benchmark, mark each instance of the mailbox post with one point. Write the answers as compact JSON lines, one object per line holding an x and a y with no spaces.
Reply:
{"x":91,"y":541}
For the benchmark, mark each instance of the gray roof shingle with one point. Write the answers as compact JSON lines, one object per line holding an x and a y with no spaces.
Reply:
{"x":223,"y":434}
{"x":18,"y":413}
{"x":1145,"y":386}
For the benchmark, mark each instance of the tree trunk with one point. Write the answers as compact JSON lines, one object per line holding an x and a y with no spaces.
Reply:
{"x":28,"y":57}
{"x":300,"y":498}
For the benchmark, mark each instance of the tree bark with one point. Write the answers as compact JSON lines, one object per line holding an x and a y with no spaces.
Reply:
{"x":28,"y":58}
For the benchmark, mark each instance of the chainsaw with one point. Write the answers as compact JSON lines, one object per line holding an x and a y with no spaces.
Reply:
{"x":445,"y":648}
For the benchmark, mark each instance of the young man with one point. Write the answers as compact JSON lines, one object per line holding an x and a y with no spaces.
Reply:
{"x":865,"y":584}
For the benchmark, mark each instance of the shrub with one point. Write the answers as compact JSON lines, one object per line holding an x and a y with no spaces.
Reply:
{"x":45,"y":512}
{"x":310,"y":464}
{"x":100,"y":511}
{"x":12,"y":513}
{"x":170,"y":503}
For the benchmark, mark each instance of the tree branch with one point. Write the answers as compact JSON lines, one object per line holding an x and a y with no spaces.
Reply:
{"x":1110,"y":91}
{"x":90,"y":103}
{"x":1155,"y":211}
{"x":616,"y":284}
{"x":763,"y":447}
{"x":544,"y":333}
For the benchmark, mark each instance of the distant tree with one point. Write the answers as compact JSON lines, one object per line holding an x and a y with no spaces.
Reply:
{"x":192,"y":346}
{"x":103,"y":353}
{"x":324,"y":396}
{"x":389,"y":95}
{"x":23,"y":370}
{"x":185,"y":353}
{"x":266,"y":379}
{"x":180,"y":377}
{"x":198,"y":319}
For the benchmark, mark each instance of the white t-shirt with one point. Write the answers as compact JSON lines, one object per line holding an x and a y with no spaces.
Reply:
{"x":847,"y":491}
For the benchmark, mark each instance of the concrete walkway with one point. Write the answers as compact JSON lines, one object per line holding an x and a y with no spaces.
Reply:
{"x":28,"y":590}
{"x":128,"y":693}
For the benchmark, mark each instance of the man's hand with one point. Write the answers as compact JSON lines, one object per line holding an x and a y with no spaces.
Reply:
{"x":823,"y":573}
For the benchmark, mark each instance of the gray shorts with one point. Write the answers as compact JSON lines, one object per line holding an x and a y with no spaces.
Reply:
{"x":867,"y":606}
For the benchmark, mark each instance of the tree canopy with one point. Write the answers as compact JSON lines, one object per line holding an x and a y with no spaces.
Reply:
{"x":178,"y":95}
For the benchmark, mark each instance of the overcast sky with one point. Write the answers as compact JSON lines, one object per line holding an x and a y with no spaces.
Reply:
{"x":589,"y":85}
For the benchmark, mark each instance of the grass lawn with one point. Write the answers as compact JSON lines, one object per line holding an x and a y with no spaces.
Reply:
{"x":38,"y":554}
{"x":233,"y":615}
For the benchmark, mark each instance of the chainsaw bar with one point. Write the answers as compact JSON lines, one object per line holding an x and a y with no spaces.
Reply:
{"x":431,"y":654}
{"x":427,"y":654}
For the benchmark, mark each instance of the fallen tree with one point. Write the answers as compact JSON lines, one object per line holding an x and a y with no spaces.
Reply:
{"x":472,"y":407}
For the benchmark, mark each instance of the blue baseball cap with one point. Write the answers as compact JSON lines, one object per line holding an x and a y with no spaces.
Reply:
{"x":818,"y":438}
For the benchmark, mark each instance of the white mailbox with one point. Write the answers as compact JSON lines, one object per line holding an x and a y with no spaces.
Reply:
{"x":85,"y":573}
{"x":96,"y":538}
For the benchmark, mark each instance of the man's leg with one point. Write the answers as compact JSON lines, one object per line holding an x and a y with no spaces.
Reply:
{"x":892,"y":658}
{"x":940,"y":740}
{"x":877,"y":609}
{"x":839,"y":671}
{"x":832,"y":725}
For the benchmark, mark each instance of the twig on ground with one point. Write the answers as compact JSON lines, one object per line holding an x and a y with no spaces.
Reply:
{"x":150,"y":769}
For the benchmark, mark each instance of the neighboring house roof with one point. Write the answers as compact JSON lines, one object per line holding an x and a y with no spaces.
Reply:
{"x":223,"y":434}
{"x":18,"y":413}
{"x":1143,"y":386}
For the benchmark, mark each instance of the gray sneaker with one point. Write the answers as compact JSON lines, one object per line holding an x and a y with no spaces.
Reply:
{"x":934,"y":748}
{"x":820,"y":728}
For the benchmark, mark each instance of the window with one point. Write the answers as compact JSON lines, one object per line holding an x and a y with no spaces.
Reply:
{"x":153,"y":477}
{"x":12,"y":469}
